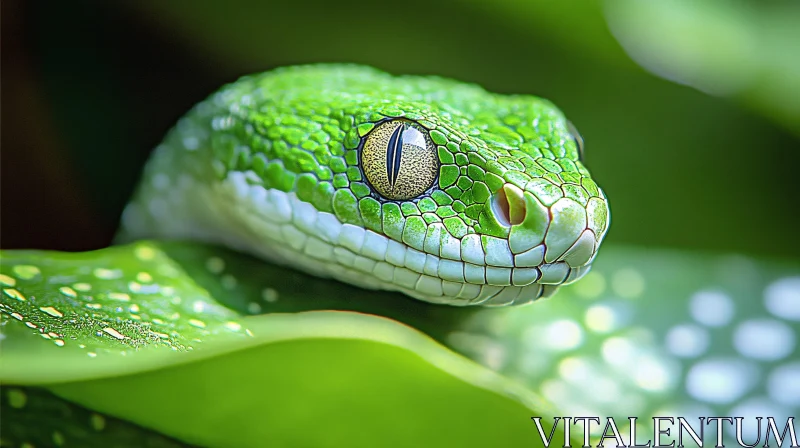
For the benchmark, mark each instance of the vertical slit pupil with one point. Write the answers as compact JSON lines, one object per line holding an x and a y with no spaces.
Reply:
{"x":394,"y":152}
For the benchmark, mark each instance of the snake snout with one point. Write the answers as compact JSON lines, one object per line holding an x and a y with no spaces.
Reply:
{"x":561,"y":233}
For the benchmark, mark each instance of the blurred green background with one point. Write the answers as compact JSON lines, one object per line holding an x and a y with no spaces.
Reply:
{"x":690,"y":110}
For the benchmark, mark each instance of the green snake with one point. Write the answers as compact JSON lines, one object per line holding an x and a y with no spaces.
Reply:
{"x":422,"y":185}
{"x":426,"y":186}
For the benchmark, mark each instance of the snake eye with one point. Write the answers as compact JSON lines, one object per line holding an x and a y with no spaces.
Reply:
{"x":399,"y":159}
{"x":578,"y":139}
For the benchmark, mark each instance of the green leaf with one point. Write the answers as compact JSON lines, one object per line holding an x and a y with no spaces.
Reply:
{"x":239,"y":380}
{"x":321,"y":391}
{"x":85,"y":312}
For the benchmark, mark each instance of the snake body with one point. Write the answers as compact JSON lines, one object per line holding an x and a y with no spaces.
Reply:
{"x":423,"y":185}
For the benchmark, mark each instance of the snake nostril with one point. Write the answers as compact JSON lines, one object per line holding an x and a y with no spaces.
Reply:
{"x":500,"y":206}
{"x":509,"y":206}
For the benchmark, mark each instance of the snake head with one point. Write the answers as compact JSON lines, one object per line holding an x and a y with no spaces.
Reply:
{"x":502,"y":199}
{"x":435,"y":188}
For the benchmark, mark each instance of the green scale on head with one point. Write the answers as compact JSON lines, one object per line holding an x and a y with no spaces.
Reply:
{"x":424,"y":185}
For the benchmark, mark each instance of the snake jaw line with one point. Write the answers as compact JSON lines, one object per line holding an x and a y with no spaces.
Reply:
{"x":280,"y":227}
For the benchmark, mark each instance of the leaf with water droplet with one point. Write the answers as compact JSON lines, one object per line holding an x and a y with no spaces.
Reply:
{"x":176,"y":351}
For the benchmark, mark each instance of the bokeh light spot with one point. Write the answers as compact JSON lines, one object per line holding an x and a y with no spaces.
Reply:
{"x":650,"y":373}
{"x":687,"y":340}
{"x":711,"y":308}
{"x":618,"y":351}
{"x":720,"y":380}
{"x":600,"y":319}
{"x":628,"y":283}
{"x":784,"y":384}
{"x":563,"y":335}
{"x":574,"y":370}
{"x":764,"y":339}
{"x":782,"y":298}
